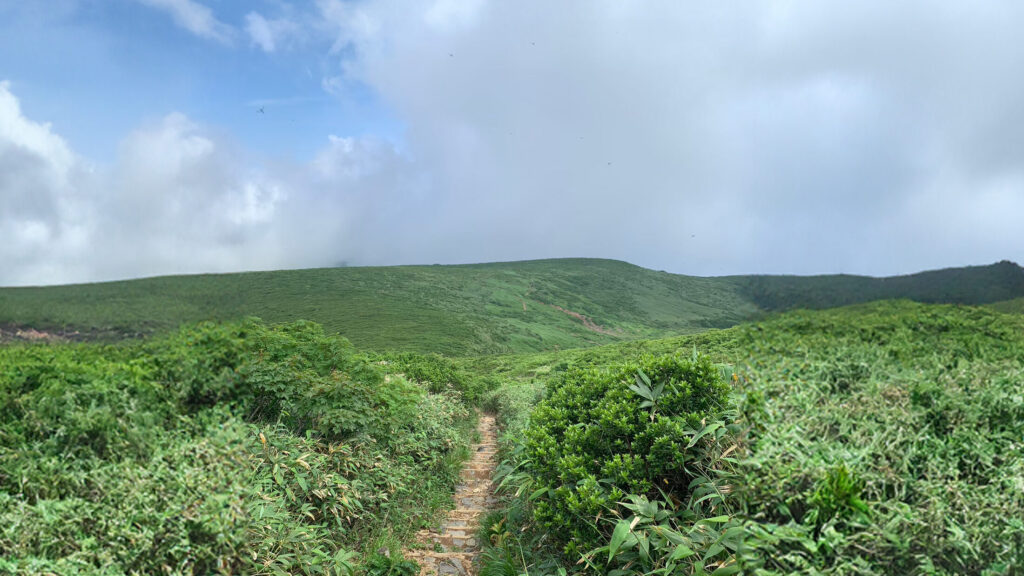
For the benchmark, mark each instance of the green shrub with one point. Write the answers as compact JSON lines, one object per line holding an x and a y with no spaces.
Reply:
{"x":437,"y":373}
{"x":381,"y":565}
{"x":647,"y":429}
{"x":221,"y":449}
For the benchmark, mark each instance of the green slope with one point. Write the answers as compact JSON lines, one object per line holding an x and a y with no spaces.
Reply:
{"x":1015,"y":306}
{"x":523,"y":306}
{"x":478,"y":309}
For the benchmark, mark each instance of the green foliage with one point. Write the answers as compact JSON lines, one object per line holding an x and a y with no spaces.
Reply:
{"x":877,"y":439}
{"x":650,"y":429}
{"x":837,"y":495}
{"x":912,"y":465}
{"x":970,"y":285}
{"x":511,"y":402}
{"x":1014,"y":306}
{"x":221,"y":449}
{"x":381,"y":565}
{"x":437,"y":373}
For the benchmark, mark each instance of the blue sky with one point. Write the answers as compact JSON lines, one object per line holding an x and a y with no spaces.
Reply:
{"x":769,"y":137}
{"x":96,"y":69}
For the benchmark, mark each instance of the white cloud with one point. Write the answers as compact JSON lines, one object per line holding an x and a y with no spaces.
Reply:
{"x":271,"y":34}
{"x":447,"y":14}
{"x":42,"y":217}
{"x":34,"y":138}
{"x":179,"y":199}
{"x":260,"y":31}
{"x":708,"y":139}
{"x":194,"y":17}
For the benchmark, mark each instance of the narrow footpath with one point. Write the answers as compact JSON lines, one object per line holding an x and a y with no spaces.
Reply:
{"x":452,"y":547}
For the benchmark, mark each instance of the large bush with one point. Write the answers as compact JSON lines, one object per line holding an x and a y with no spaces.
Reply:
{"x":224,"y":449}
{"x":644,"y":430}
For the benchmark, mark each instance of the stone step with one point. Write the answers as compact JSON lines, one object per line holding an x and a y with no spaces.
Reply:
{"x":451,"y":542}
{"x":474,"y":496}
{"x":461,"y":524}
{"x":454,"y":564}
{"x":465,"y":514}
{"x":476,"y":473}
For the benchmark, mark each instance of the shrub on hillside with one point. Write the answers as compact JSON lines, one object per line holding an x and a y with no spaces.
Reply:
{"x":227,"y":449}
{"x":639,"y":441}
{"x":437,"y":374}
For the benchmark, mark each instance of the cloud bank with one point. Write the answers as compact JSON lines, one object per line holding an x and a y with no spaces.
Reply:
{"x":705,"y":139}
{"x":180,"y":199}
{"x":714,"y":138}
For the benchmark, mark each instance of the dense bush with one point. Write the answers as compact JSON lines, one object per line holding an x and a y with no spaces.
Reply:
{"x":221,"y":449}
{"x":622,"y":441}
{"x":511,"y":403}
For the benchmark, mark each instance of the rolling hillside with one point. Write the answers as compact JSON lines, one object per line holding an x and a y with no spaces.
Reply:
{"x":478,"y":309}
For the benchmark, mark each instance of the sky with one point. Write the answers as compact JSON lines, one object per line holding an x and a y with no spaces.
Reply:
{"x":152,"y":137}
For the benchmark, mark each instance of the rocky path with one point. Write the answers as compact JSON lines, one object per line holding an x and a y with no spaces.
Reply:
{"x":452,"y":547}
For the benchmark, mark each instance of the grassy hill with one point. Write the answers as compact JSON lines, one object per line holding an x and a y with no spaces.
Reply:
{"x":479,"y":309}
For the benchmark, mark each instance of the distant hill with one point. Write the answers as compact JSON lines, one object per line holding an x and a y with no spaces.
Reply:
{"x":478,"y":309}
{"x":969,"y":285}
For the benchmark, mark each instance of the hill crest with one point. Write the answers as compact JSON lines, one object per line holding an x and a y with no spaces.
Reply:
{"x":483,"y":308}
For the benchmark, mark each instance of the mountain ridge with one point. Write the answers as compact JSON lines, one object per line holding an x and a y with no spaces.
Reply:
{"x":484,"y":308}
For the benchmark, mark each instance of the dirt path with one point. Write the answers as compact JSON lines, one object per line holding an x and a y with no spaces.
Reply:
{"x":456,"y":536}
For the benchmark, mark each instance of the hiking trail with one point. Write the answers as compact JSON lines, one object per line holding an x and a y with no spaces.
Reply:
{"x":452,"y":547}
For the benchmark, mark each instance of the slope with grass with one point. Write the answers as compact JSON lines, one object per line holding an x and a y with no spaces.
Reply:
{"x":1015,"y":306}
{"x":969,"y":285}
{"x":883,"y":438}
{"x":524,"y":306}
{"x":477,"y":309}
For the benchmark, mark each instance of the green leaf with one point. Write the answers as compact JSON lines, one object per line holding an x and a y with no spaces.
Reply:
{"x":536,"y":493}
{"x":642,"y":391}
{"x":641,"y":376}
{"x":681,"y":551}
{"x":704,"y":431}
{"x":618,"y":537}
{"x":716,"y":519}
